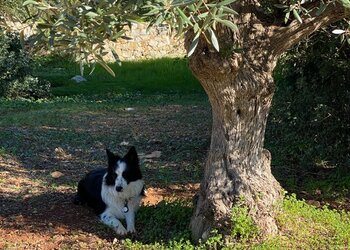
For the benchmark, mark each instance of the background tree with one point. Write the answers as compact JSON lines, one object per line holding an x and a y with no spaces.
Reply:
{"x":233,"y":48}
{"x":17,"y":76}
{"x":313,"y":86}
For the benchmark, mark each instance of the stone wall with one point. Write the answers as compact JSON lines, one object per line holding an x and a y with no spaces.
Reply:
{"x":143,"y":44}
{"x":154,"y":43}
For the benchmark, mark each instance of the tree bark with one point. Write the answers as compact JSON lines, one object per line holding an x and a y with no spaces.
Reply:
{"x":238,"y":167}
{"x":240,"y":88}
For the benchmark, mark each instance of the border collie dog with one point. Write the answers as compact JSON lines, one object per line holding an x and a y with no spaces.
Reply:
{"x":114,"y":193}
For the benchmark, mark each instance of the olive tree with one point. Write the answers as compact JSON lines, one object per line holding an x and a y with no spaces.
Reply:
{"x":233,"y":47}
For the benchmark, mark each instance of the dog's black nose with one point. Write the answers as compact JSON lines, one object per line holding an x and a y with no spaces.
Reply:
{"x":119,"y":189}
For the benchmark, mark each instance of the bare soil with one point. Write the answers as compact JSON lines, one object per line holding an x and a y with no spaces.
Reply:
{"x":47,"y":155}
{"x":38,"y":179}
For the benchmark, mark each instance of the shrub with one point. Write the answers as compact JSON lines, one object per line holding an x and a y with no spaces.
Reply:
{"x":10,"y":6}
{"x":27,"y":87}
{"x":311,"y":107}
{"x":16,"y":71}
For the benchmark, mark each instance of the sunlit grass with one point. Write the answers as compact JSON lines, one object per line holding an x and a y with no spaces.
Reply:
{"x":33,"y":129}
{"x":148,"y":77}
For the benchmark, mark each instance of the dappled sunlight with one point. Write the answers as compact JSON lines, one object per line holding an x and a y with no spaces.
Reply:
{"x":45,"y":152}
{"x":15,"y":180}
{"x":154,"y":195}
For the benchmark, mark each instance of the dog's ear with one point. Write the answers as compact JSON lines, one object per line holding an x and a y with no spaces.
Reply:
{"x":131,"y":157}
{"x":133,"y":171}
{"x":112,"y":158}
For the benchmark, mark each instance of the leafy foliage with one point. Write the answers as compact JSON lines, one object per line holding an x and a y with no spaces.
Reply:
{"x":199,"y":17}
{"x":10,"y":6}
{"x":308,"y":128}
{"x":173,"y":216}
{"x":243,"y":227}
{"x":27,"y":87}
{"x":295,"y":9}
{"x":83,"y":27}
{"x":16,"y":68}
{"x":314,"y":78}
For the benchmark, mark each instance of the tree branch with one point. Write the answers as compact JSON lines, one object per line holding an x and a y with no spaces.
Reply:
{"x":285,"y":37}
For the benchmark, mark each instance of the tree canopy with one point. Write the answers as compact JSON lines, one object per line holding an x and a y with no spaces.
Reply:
{"x":82,"y":27}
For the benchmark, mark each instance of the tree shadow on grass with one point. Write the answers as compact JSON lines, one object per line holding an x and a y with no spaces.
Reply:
{"x":54,"y":214}
{"x":164,"y":222}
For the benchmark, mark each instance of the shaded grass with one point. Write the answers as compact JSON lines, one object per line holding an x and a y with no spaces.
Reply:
{"x":164,"y":222}
{"x":93,"y":117}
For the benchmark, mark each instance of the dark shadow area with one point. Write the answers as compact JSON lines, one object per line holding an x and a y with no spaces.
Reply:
{"x":308,"y":131}
{"x":51,"y":212}
{"x":73,"y":142}
{"x":54,"y":213}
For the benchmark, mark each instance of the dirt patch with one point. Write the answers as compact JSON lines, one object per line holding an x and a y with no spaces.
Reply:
{"x":38,"y":178}
{"x":44,"y":161}
{"x":154,"y":195}
{"x":49,"y":220}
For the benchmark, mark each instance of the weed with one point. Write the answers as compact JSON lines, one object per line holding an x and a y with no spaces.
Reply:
{"x":168,"y":220}
{"x":243,"y":227}
{"x":305,"y":227}
{"x":3,"y":151}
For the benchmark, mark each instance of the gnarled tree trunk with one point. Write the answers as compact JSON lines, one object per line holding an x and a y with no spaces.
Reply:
{"x":238,"y":167}
{"x":240,"y":89}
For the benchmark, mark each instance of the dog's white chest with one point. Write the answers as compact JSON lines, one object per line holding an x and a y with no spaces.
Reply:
{"x":120,"y":203}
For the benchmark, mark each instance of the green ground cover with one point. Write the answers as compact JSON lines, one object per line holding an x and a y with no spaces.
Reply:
{"x":169,"y":113}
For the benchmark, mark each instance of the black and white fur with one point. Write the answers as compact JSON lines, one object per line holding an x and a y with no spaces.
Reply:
{"x":116,"y":192}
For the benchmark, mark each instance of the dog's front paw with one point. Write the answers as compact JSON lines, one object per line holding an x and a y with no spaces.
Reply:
{"x":132,"y":230}
{"x":120,"y":230}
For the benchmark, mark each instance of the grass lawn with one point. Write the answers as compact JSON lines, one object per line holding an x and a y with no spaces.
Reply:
{"x":46,"y":146}
{"x":149,"y":77}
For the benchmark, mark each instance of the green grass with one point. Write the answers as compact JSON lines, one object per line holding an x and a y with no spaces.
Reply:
{"x":307,"y":227}
{"x":302,"y":227}
{"x":149,"y":77}
{"x":85,"y":118}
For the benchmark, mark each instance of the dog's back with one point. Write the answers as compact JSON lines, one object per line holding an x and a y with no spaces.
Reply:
{"x":89,"y":191}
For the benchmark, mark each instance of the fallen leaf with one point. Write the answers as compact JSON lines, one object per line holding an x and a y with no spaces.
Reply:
{"x":154,"y":154}
{"x":124,"y":143}
{"x":56,"y":174}
{"x":61,"y":154}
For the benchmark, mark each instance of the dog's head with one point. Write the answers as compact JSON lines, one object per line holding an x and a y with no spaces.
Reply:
{"x":122,"y":171}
